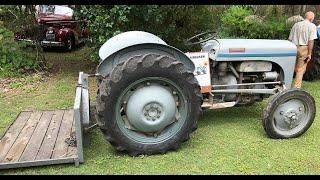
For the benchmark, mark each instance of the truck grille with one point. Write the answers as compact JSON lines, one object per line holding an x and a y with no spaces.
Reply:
{"x":50,"y":37}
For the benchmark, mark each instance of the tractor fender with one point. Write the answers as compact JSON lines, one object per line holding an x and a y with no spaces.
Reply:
{"x":128,"y":44}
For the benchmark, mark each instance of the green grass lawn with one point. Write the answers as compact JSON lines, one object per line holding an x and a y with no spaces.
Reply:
{"x":227,"y":141}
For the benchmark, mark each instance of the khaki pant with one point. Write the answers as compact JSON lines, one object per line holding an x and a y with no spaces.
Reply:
{"x":300,"y":65}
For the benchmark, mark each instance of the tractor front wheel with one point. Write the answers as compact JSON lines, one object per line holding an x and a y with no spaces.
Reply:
{"x":148,"y":105}
{"x":289,"y":114}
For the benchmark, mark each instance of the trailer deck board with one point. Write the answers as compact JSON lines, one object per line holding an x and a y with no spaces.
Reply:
{"x":22,"y":140}
{"x":38,"y":137}
{"x":72,"y":150}
{"x":50,"y":138}
{"x":35,"y":141}
{"x":61,"y":147}
{"x":12,"y":133}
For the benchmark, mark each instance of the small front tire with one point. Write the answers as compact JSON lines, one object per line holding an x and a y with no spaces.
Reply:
{"x":289,"y":114}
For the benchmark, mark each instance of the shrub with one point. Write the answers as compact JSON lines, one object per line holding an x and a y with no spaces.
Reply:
{"x":104,"y":21}
{"x":235,"y":24}
{"x":173,"y":23}
{"x":13,"y":55}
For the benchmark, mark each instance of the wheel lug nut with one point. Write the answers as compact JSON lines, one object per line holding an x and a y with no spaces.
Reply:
{"x":148,"y":84}
{"x":281,"y":112}
{"x":174,"y":92}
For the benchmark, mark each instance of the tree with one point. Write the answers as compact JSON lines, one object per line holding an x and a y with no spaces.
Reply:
{"x":21,"y":18}
{"x":173,"y":23}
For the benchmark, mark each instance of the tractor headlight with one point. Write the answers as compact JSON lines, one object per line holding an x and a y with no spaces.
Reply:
{"x":209,"y":45}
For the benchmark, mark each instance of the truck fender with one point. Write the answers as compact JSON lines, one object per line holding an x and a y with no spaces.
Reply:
{"x":67,"y":32}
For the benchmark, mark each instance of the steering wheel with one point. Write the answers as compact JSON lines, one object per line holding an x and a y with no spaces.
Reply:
{"x":201,"y":38}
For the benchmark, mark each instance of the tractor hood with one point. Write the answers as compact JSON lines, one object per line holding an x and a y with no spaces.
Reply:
{"x":280,"y":52}
{"x":246,"y":48}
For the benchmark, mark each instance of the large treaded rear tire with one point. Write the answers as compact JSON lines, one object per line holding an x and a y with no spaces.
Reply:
{"x":313,"y":68}
{"x":131,"y":70}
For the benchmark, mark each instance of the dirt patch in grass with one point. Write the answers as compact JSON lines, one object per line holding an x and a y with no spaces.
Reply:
{"x":29,"y":82}
{"x":58,"y":61}
{"x":74,"y":61}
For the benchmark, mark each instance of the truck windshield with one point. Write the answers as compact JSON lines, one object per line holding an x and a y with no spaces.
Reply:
{"x":55,"y":10}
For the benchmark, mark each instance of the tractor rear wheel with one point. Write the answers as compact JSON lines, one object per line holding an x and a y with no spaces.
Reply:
{"x":148,"y":105}
{"x":313,"y":67}
{"x":289,"y":114}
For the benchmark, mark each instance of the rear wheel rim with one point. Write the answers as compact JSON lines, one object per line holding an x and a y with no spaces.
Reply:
{"x":291,"y":116}
{"x":149,"y":137}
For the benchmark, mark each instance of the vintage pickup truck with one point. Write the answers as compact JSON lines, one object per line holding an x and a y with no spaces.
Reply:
{"x":57,"y":28}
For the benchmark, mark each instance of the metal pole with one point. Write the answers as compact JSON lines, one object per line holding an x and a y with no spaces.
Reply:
{"x":246,"y":84}
{"x":245,"y":91}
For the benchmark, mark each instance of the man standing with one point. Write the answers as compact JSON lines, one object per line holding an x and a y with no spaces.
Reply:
{"x":302,"y":35}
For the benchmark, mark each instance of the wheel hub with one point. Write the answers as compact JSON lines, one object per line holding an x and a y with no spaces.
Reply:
{"x":289,"y":115}
{"x":152,"y":111}
{"x":151,"y":108}
{"x":291,"y":118}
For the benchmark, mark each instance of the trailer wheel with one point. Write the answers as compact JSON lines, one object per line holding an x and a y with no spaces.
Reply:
{"x":148,"y":105}
{"x":289,"y":114}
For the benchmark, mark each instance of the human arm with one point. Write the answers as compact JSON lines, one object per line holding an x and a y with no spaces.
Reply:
{"x":311,"y":42}
{"x":310,"y":48}
{"x":291,"y":33}
{"x":290,"y":36}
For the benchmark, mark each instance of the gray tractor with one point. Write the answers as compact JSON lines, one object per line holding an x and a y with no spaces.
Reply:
{"x":151,"y":95}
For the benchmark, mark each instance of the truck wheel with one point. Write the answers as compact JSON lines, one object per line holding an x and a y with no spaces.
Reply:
{"x":69,"y":44}
{"x":148,"y":105}
{"x":289,"y":114}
